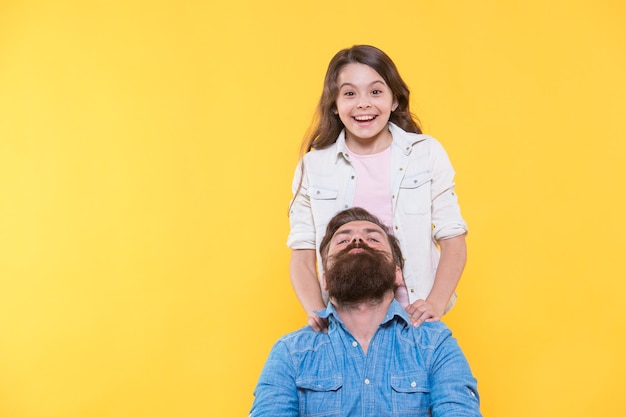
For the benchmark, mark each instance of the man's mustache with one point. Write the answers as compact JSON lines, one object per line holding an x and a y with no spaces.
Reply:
{"x":356,"y":245}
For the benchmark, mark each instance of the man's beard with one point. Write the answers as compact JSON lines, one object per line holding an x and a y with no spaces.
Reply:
{"x":365,"y":276}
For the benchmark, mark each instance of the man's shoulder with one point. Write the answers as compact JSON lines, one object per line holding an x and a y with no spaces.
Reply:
{"x":304,"y":339}
{"x":429,"y":334}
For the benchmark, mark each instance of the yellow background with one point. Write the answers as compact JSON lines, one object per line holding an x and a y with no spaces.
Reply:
{"x":146,"y":155}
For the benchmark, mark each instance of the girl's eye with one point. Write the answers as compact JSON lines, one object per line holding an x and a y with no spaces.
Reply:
{"x":376,"y":92}
{"x":348,"y":93}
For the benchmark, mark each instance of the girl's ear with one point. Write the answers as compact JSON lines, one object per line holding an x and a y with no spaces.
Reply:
{"x":394,"y":106}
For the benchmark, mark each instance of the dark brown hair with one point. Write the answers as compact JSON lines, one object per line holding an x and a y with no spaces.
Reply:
{"x":358,"y":214}
{"x":326,"y":125}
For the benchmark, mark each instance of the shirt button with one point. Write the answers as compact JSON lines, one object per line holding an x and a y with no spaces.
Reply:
{"x":352,"y":177}
{"x":354,"y":344}
{"x":413,"y":384}
{"x":367,"y":381}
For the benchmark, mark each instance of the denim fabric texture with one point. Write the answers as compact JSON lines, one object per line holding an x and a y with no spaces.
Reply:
{"x":408,"y":371}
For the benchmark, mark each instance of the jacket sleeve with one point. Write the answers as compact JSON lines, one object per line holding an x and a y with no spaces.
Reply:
{"x":302,"y":228}
{"x":276,"y":393}
{"x":453,"y":387}
{"x":446,"y":213}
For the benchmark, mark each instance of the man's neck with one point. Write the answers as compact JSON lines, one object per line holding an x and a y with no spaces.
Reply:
{"x":362,"y":320}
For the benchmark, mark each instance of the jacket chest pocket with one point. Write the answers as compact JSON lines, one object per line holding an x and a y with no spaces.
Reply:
{"x":323,"y":193}
{"x":320,"y":396}
{"x":414,"y":195}
{"x":410,"y":395}
{"x":324,"y":204}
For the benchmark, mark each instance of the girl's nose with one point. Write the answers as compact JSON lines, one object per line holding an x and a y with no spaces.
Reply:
{"x":363,"y":103}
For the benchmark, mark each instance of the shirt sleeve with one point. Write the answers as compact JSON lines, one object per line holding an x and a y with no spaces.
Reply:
{"x":446,"y":213}
{"x":454,"y":390}
{"x":276,"y":393}
{"x":302,"y":228}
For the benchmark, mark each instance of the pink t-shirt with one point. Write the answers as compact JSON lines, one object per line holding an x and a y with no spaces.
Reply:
{"x":373,"y":190}
{"x":373,"y":193}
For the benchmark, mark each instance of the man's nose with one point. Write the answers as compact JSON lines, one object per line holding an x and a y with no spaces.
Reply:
{"x":357,"y":239}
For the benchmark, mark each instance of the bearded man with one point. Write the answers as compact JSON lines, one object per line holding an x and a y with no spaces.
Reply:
{"x":372,"y":361}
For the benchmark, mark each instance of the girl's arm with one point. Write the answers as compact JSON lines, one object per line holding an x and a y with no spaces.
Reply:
{"x":451,"y":264}
{"x":449,"y":230}
{"x":307,"y":287}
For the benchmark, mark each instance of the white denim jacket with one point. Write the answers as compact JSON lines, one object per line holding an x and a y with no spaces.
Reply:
{"x":425,"y":207}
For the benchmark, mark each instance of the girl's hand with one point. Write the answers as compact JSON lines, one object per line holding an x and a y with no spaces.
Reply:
{"x":421,"y":311}
{"x":317,"y":323}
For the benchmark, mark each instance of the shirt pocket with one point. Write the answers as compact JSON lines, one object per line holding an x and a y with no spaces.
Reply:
{"x":410,"y":395}
{"x":414,"y":196}
{"x":324,"y":204}
{"x":320,"y":396}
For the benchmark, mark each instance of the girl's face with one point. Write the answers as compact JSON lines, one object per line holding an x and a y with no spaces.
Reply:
{"x":364,"y":105}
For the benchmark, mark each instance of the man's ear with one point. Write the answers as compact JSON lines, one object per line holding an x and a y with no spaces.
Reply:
{"x":323,"y":283}
{"x":399,"y":276}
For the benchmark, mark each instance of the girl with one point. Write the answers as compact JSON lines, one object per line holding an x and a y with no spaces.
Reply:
{"x":369,"y":151}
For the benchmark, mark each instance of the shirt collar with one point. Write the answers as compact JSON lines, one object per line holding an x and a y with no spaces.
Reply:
{"x":340,"y":143}
{"x":401,"y":139}
{"x":394,"y":310}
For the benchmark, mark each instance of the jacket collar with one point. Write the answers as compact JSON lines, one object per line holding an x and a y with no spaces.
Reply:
{"x":402,"y":139}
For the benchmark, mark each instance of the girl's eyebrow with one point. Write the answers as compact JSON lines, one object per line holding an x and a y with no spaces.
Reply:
{"x":369,"y":85}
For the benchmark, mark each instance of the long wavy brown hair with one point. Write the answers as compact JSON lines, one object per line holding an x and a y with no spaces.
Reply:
{"x":326,"y":125}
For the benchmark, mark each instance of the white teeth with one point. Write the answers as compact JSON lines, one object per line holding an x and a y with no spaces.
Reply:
{"x":364,"y":118}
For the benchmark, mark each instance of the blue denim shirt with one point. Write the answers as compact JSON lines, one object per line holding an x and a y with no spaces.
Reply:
{"x":408,"y":371}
